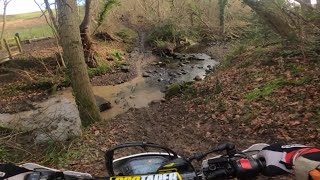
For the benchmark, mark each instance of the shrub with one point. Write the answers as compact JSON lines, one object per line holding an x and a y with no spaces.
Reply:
{"x":170,"y":32}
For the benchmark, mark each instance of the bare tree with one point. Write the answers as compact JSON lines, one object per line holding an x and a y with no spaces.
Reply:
{"x":54,"y":27}
{"x":73,"y":54}
{"x":51,"y":15}
{"x":86,"y":35}
{"x":4,"y":18}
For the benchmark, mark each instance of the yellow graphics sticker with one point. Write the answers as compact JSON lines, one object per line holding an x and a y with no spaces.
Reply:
{"x":165,"y":176}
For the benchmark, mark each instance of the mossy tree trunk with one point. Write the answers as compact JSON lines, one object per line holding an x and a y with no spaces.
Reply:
{"x":73,"y":54}
{"x":272,"y":13}
{"x":86,"y":36}
{"x":222,"y":8}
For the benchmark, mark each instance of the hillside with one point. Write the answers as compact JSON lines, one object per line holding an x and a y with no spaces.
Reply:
{"x":28,"y":25}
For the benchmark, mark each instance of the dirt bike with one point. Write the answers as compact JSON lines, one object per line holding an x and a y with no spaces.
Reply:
{"x":162,"y":164}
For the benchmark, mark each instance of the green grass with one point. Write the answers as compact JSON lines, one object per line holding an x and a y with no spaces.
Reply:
{"x":118,"y":55}
{"x":23,"y":16}
{"x":34,"y":29}
{"x":34,"y":32}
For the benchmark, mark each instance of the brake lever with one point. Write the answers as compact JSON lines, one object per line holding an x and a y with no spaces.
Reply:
{"x":230,"y":148}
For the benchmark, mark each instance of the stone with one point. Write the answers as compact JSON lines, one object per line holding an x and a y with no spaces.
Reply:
{"x":181,"y":64}
{"x":110,"y":58}
{"x":197,"y":78}
{"x":55,"y":119}
{"x":125,"y":68}
{"x":117,"y":101}
{"x":161,"y":64}
{"x":145,"y":74}
{"x":102,"y":103}
{"x":160,"y":79}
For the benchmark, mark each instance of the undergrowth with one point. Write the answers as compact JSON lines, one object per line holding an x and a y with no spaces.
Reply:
{"x":59,"y":155}
{"x":100,"y":70}
{"x":127,"y":35}
{"x":169,"y":32}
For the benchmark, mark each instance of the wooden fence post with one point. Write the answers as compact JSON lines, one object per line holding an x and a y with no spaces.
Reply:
{"x":8,"y":48}
{"x":18,"y":43}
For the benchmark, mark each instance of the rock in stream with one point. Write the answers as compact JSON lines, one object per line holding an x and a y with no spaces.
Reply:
{"x":55,"y":119}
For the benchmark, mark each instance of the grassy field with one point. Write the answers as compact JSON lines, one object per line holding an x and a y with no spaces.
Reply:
{"x":28,"y":25}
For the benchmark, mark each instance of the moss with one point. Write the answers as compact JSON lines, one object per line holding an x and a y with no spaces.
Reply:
{"x":176,"y":89}
{"x":271,"y":86}
{"x":173,"y":90}
{"x":232,"y":54}
{"x":42,"y":84}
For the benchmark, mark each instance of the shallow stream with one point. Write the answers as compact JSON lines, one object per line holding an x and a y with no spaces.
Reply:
{"x":140,"y":91}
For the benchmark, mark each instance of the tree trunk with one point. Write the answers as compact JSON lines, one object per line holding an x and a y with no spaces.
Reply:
{"x":74,"y":57}
{"x":85,"y":36}
{"x":159,"y":11}
{"x":222,"y":8}
{"x":273,"y":15}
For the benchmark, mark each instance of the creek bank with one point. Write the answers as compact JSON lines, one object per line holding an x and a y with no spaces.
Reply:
{"x":153,"y":75}
{"x":54,"y":119}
